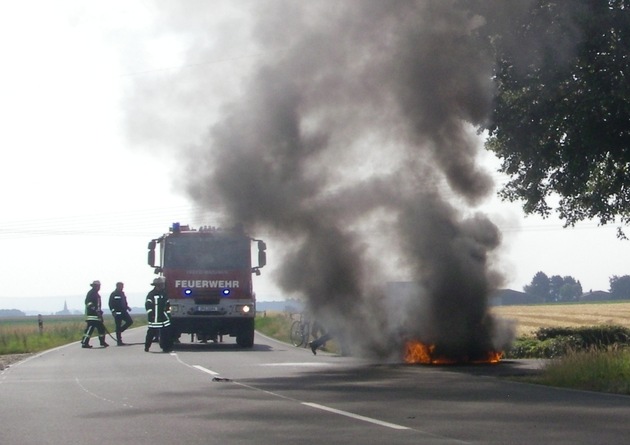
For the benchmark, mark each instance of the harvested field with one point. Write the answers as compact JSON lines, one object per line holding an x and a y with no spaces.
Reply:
{"x":532,"y":317}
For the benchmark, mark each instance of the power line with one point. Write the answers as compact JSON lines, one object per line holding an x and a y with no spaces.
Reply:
{"x":122,"y":223}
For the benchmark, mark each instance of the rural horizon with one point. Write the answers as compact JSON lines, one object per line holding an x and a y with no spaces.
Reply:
{"x":54,"y":304}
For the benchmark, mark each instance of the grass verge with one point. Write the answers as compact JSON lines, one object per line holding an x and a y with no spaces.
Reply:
{"x":275,"y":325}
{"x":21,"y":335}
{"x":594,"y":370}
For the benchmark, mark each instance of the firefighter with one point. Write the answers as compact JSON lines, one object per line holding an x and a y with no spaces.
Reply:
{"x":159,"y":316}
{"x":93,"y":316}
{"x":120,"y":310}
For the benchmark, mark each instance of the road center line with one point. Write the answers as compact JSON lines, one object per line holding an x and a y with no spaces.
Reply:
{"x":315,"y":405}
{"x":355,"y":416}
{"x":331,"y":410}
{"x":206,"y":370}
{"x":340,"y":412}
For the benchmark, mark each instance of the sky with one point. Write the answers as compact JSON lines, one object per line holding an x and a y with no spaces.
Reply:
{"x":82,"y":195}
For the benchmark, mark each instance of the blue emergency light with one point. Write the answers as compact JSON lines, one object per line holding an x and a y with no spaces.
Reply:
{"x":226,"y":292}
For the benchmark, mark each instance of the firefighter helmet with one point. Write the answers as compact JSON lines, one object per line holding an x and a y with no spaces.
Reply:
{"x":95,"y":283}
{"x":158,"y":280}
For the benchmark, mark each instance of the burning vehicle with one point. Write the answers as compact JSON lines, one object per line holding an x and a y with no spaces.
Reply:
{"x":431,"y":341}
{"x":421,"y":353}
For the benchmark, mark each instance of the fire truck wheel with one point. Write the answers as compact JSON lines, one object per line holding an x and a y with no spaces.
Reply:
{"x":245,"y":338}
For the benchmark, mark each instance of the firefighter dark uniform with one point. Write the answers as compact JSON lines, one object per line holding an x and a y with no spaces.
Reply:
{"x":93,"y":316}
{"x":159,"y":317}
{"x":120,"y":310}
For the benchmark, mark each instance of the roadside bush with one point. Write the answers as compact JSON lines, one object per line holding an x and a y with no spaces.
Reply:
{"x":530,"y":347}
{"x":591,"y":336}
{"x":559,"y":341}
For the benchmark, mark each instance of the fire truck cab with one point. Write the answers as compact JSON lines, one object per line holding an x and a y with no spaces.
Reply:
{"x":208,"y":275}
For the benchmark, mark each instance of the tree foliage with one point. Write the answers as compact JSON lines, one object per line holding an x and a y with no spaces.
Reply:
{"x":555,"y":284}
{"x":561,"y":118}
{"x":554,"y":288}
{"x":539,"y":287}
{"x":11,"y":313}
{"x":620,"y":287}
{"x":571,"y":290}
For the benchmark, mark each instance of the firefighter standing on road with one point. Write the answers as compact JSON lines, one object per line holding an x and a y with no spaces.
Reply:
{"x":158,"y":313}
{"x":120,"y":310}
{"x":93,"y":316}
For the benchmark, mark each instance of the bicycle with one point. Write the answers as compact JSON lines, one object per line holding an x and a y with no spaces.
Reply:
{"x":300,"y":331}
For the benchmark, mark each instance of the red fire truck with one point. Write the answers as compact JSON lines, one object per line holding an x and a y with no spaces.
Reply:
{"x":208,"y":274}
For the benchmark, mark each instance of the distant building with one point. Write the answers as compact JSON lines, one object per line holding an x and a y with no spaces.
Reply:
{"x":509,"y":297}
{"x":598,"y":295}
{"x":407,"y":290}
{"x":65,"y":310}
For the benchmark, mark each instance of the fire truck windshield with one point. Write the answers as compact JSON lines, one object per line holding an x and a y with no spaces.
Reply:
{"x":201,"y":252}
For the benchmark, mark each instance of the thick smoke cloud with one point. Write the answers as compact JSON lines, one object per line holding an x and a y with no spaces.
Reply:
{"x":352,"y":145}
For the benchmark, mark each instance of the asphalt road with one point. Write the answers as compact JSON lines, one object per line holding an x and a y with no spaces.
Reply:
{"x":277,"y":394}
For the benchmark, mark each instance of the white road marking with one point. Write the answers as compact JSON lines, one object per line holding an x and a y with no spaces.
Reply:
{"x":304,"y":364}
{"x":93,"y":394}
{"x":206,"y":370}
{"x":312,"y":405}
{"x":315,"y":405}
{"x":356,"y":416}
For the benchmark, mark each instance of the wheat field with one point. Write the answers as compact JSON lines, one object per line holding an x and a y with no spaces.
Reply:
{"x":532,"y":317}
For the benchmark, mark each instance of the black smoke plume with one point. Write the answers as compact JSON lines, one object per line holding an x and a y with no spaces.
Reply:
{"x":352,"y":144}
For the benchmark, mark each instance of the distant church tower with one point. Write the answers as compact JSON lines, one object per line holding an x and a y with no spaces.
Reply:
{"x":65,"y":309}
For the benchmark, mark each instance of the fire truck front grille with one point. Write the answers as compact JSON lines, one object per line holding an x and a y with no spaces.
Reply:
{"x":207,"y":300}
{"x":207,"y":296}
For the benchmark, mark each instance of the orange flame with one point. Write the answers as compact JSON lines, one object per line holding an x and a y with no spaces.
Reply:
{"x":418,"y":352}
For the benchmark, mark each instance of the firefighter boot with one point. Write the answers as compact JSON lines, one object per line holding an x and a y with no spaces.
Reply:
{"x":102,"y":340}
{"x":85,"y":342}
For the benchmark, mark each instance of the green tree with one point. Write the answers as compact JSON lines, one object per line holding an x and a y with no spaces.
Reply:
{"x":570,"y":290}
{"x":539,"y":287}
{"x":555,"y":284}
{"x":620,"y":287}
{"x":561,"y":119}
